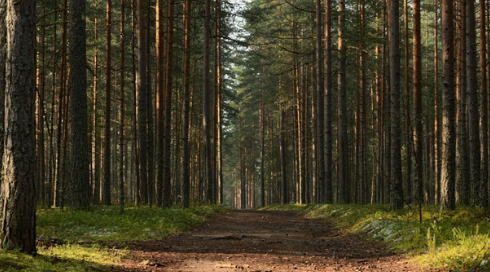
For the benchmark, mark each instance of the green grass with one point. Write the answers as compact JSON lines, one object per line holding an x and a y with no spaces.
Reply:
{"x":70,"y":240}
{"x":459,"y":239}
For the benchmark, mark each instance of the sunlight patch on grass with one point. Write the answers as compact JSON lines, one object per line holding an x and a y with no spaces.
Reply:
{"x":107,"y":224}
{"x":454,"y":239}
{"x":61,"y":258}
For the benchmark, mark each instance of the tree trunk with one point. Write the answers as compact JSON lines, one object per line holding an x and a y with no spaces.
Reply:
{"x":142,"y":102}
{"x":167,"y":189}
{"x":209,"y":180}
{"x":472,"y":89}
{"x":463,"y":178}
{"x":186,"y":106}
{"x":18,"y":191}
{"x":328,"y":103}
{"x":483,"y":188}
{"x":106,"y":189}
{"x":396,"y":167}
{"x":159,"y":103}
{"x":343,"y":142}
{"x":282,"y":140}
{"x":121,"y":116}
{"x":79,"y":171}
{"x":448,"y":169}
{"x":408,"y":125}
{"x":320,"y":143}
{"x":417,"y":94}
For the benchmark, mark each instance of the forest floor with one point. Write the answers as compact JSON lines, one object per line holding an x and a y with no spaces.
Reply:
{"x":248,"y":240}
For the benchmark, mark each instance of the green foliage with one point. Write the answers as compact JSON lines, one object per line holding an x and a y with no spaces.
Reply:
{"x":106,"y":223}
{"x":71,"y":239}
{"x":62,"y":258}
{"x":458,"y":240}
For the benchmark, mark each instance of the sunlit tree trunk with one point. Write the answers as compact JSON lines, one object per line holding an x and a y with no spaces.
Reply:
{"x":448,"y":169}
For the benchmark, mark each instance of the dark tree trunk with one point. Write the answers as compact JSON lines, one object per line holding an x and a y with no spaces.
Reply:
{"x":18,"y":218}
{"x":417,"y":93}
{"x":121,"y":116}
{"x":167,"y":200}
{"x":463,"y":178}
{"x":106,"y":188}
{"x":396,"y":166}
{"x":483,"y":187}
{"x":472,"y":89}
{"x":343,"y":142}
{"x":141,"y":86}
{"x":79,"y":171}
{"x":185,"y":124}
{"x":328,"y":192}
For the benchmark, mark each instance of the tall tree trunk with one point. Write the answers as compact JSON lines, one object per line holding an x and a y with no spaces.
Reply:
{"x":417,"y":94}
{"x":282,"y":146}
{"x":159,"y":103}
{"x":483,"y":188}
{"x":142,"y":101}
{"x":448,"y":169}
{"x":121,"y":115}
{"x":396,"y":167}
{"x":463,"y":178}
{"x":320,"y":143}
{"x":209,"y":180}
{"x":408,"y":124}
{"x":96,"y":138}
{"x":106,"y":189}
{"x":328,"y":103}
{"x":18,"y":218}
{"x":186,"y":106}
{"x":79,"y":170}
{"x":472,"y":89}
{"x":167,"y":189}
{"x":437,"y":106}
{"x":343,"y":143}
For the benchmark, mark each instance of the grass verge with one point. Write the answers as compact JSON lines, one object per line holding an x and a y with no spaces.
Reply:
{"x":458,"y":239}
{"x":70,"y":240}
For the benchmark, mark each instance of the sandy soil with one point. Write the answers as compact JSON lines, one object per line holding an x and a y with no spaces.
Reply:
{"x":264,"y":241}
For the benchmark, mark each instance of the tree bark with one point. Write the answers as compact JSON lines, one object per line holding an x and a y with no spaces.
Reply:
{"x":483,"y":197}
{"x":209,"y":179}
{"x":106,"y":188}
{"x":396,"y":167}
{"x":472,"y":90}
{"x":80,"y":181}
{"x":343,"y":148}
{"x":167,"y":189}
{"x":417,"y":94}
{"x":328,"y":103}
{"x":18,"y":190}
{"x":121,"y":115}
{"x":185,"y":124}
{"x":141,"y":88}
{"x":448,"y":169}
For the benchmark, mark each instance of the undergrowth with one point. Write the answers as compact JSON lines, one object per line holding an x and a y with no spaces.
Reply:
{"x":70,"y":240}
{"x":458,"y":239}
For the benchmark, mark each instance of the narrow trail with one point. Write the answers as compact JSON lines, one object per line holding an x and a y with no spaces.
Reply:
{"x":264,"y":241}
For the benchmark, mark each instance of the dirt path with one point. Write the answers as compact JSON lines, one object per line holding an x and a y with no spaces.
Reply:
{"x":264,"y":241}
